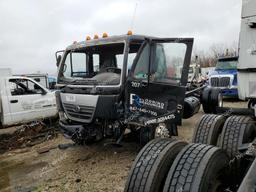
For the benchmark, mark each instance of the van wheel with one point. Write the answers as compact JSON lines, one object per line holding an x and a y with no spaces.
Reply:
{"x":151,"y":165}
{"x":200,"y":168}
{"x":236,"y":131}
{"x":208,"y":129}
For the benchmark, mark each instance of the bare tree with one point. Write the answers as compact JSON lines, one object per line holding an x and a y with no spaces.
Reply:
{"x":209,"y":58}
{"x":220,"y":49}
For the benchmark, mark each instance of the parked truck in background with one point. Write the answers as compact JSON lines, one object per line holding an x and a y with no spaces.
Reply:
{"x":224,"y":76}
{"x":23,"y":100}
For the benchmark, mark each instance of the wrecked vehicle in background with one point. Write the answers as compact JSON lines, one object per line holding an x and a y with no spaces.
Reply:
{"x":23,"y":100}
{"x":102,"y":96}
{"x":45,"y":80}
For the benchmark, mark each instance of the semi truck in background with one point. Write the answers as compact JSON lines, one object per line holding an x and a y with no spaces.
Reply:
{"x":224,"y":76}
{"x":22,"y":100}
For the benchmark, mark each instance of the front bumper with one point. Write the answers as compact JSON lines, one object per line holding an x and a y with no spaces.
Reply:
{"x":230,"y":92}
{"x":69,"y":131}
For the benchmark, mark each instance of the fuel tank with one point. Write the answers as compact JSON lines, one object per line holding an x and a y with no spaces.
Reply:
{"x":191,"y":107}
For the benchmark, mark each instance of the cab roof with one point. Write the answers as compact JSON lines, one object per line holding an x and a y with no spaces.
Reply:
{"x":228,"y":58}
{"x":106,"y":40}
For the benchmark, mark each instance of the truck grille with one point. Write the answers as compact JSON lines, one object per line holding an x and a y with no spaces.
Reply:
{"x":220,"y":81}
{"x":224,"y":81}
{"x":214,"y":81}
{"x":79,"y":112}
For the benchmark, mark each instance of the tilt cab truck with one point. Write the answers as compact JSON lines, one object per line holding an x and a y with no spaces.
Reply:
{"x":23,"y":100}
{"x":111,"y":84}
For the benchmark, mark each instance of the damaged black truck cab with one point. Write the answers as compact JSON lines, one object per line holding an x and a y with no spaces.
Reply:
{"x":129,"y":83}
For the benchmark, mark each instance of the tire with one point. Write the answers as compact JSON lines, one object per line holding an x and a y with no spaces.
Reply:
{"x":208,"y":129}
{"x":198,"y":168}
{"x":236,"y":131}
{"x":211,"y":99}
{"x":205,"y":100}
{"x":215,"y":99}
{"x":146,"y":134}
{"x":151,"y":166}
{"x":251,"y":103}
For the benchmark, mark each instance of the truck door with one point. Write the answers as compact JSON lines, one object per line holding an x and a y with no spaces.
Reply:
{"x":157,"y":81}
{"x":29,"y":101}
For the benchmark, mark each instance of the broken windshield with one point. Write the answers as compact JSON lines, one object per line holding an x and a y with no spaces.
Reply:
{"x":100,"y":64}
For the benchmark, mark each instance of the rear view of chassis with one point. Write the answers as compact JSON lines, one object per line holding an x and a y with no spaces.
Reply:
{"x":221,"y":157}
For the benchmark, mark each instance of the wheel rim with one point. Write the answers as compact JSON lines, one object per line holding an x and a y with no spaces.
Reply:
{"x":161,"y":131}
{"x":217,"y":186}
{"x":218,"y":183}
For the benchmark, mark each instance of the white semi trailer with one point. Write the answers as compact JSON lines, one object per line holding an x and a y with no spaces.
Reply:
{"x":247,"y":53}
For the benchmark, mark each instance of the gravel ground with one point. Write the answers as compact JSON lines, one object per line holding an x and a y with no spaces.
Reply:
{"x":95,"y":168}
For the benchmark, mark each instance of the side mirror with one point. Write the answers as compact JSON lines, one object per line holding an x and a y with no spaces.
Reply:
{"x":58,"y":60}
{"x":43,"y":92}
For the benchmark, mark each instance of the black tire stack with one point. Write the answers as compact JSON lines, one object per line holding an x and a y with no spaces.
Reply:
{"x":208,"y":129}
{"x":205,"y":165}
{"x":195,"y":169}
{"x":151,"y":166}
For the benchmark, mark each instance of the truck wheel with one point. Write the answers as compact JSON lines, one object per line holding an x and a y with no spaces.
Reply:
{"x":205,"y":100}
{"x":146,"y":134}
{"x":236,"y":131}
{"x":251,"y":103}
{"x":216,"y":99}
{"x":208,"y":129}
{"x":200,"y":168}
{"x":151,"y":165}
{"x":211,"y":99}
{"x":161,"y":131}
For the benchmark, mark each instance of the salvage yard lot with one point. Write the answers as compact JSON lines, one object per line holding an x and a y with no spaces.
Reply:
{"x":99,"y":167}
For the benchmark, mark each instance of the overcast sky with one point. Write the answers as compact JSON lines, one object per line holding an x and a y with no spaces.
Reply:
{"x":31,"y":31}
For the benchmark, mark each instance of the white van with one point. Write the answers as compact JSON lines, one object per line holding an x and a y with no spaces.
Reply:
{"x":23,"y":99}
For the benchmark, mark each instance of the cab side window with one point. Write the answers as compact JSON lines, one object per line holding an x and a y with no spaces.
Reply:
{"x":24,"y":87}
{"x":75,"y":65}
{"x":142,"y":66}
{"x":168,"y":62}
